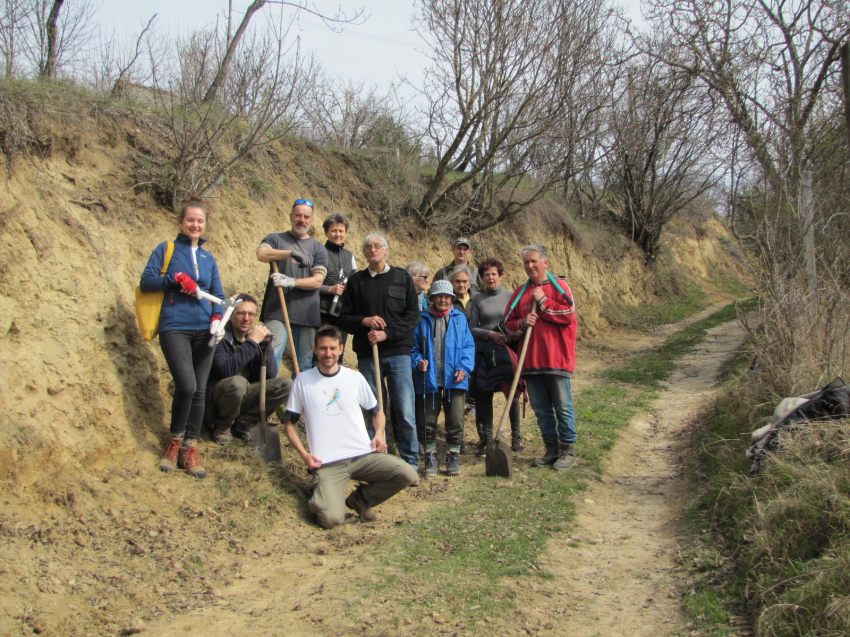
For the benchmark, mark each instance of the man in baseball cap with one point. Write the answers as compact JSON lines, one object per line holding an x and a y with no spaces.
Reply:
{"x":461,"y":252}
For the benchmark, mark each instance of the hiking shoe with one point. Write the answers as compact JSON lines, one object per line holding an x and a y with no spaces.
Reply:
{"x":357,"y":503}
{"x":549,"y":456}
{"x":482,"y":449}
{"x":432,"y":465}
{"x":189,"y":458}
{"x":516,"y":444}
{"x":169,"y":458}
{"x":453,"y":463}
{"x":223,"y":436}
{"x":566,"y":456}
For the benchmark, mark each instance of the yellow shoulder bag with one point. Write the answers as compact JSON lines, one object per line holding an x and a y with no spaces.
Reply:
{"x":149,"y":304}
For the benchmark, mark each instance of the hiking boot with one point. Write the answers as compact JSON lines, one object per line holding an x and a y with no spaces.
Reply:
{"x":432,"y":465}
{"x":223,"y":436}
{"x":566,"y":456}
{"x":189,"y":459}
{"x":482,"y":449}
{"x":516,"y":444}
{"x":549,"y":456}
{"x":357,"y":503}
{"x":453,"y":463}
{"x":169,"y":458}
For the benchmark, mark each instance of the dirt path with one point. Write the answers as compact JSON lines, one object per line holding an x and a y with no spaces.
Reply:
{"x":615,"y":572}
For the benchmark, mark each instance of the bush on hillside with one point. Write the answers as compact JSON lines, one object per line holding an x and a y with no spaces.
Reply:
{"x":785,"y":532}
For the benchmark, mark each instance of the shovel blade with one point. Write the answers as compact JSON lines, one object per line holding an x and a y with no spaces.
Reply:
{"x":265,"y":441}
{"x":499,"y":460}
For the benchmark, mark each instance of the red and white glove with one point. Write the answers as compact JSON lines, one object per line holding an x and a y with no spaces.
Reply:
{"x":216,"y":328}
{"x":187,"y":283}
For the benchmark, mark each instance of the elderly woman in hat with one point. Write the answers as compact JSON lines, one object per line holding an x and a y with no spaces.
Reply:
{"x":443,"y":356}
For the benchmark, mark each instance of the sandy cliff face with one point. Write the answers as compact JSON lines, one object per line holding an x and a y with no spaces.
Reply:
{"x":80,"y":385}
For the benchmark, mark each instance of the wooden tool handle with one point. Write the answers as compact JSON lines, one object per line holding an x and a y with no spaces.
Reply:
{"x":515,"y":382}
{"x":286,"y":322}
{"x":378,"y":388}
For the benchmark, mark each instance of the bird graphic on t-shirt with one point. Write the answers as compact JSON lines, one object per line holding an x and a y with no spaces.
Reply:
{"x":334,"y":398}
{"x":333,"y":407}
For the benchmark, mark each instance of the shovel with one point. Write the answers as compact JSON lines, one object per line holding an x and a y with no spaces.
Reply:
{"x":500,"y":458}
{"x":288,"y":326}
{"x":265,"y":439}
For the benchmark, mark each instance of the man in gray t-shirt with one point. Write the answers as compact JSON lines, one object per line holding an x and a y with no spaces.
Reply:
{"x":303,"y":264}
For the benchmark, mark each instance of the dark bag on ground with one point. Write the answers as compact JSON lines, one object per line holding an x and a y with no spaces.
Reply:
{"x":832,"y":401}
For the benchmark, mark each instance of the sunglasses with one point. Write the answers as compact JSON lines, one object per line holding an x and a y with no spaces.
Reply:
{"x":423,"y":276}
{"x":307,"y":202}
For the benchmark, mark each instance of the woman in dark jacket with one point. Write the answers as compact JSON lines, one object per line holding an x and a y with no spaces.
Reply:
{"x":185,"y":326}
{"x":492,"y":359}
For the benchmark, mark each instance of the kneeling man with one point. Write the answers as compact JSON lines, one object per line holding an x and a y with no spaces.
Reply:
{"x":330,"y":398}
{"x":233,"y":401}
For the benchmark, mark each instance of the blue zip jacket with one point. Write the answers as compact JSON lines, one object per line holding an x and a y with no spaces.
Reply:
{"x":459,"y":352}
{"x":183,"y":311}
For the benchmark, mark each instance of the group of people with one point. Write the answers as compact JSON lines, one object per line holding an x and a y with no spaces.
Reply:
{"x":442,"y":345}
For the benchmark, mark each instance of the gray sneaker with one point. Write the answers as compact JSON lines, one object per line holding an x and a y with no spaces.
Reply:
{"x":432,"y":465}
{"x":566,"y":456}
{"x":453,"y":463}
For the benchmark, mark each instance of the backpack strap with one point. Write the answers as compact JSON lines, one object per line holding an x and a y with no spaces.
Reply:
{"x":554,"y":282}
{"x":168,"y":252}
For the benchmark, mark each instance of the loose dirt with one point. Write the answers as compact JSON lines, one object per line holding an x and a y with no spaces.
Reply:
{"x":136,"y":551}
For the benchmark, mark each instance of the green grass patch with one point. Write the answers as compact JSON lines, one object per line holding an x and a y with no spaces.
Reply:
{"x":669,"y":308}
{"x":650,"y":368}
{"x":457,"y":556}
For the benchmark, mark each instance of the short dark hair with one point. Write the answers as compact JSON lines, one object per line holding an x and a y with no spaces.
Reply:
{"x":247,"y":297}
{"x":335,"y":218}
{"x":328,"y":331}
{"x":492,"y":262}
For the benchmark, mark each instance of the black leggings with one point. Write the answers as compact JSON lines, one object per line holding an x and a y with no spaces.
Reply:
{"x":484,"y":415}
{"x":189,"y":359}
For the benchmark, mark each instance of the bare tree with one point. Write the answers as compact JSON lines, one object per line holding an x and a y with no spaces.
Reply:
{"x":253,"y":108}
{"x":58,"y":38}
{"x":233,"y":43}
{"x":342,"y":112}
{"x":14,"y":15}
{"x":662,"y":136}
{"x":496,"y":94}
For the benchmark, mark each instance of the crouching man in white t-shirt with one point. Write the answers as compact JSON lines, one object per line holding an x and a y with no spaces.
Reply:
{"x":330,"y":398}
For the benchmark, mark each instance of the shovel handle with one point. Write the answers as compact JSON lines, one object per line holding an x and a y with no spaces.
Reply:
{"x":286,"y":322}
{"x":378,"y":388}
{"x":515,"y":382}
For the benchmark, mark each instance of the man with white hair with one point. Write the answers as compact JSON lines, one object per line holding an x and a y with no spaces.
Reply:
{"x":546,"y":303}
{"x":380,"y":306}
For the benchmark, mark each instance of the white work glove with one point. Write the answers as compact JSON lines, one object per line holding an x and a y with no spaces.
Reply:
{"x":219,"y":336}
{"x":283,"y":281}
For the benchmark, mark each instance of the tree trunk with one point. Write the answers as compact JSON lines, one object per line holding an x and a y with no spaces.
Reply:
{"x":49,"y":70}
{"x":845,"y":75}
{"x":224,"y":68}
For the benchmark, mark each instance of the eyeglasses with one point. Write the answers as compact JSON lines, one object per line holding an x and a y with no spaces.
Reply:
{"x":423,"y":276}
{"x":244,"y":314}
{"x":306,"y":202}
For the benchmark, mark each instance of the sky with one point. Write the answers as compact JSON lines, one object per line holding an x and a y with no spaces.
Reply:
{"x":377,"y":51}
